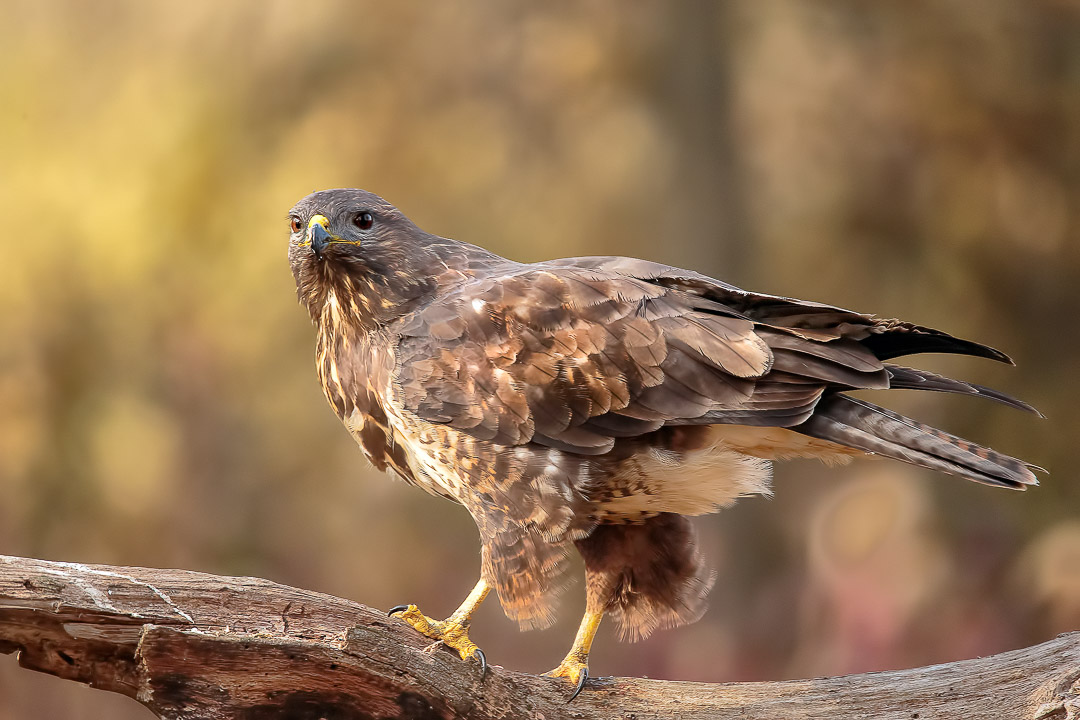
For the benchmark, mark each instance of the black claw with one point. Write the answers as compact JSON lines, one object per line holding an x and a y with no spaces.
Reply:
{"x":396,"y":609}
{"x":580,"y":685}
{"x":483,"y":662}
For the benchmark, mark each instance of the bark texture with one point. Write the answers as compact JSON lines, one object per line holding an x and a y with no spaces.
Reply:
{"x":191,"y":645}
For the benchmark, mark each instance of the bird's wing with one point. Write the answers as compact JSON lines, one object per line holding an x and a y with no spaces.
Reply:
{"x":886,"y":338}
{"x":575,"y":355}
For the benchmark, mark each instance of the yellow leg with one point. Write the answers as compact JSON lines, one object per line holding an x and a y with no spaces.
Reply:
{"x":575,"y":666}
{"x":454,"y":630}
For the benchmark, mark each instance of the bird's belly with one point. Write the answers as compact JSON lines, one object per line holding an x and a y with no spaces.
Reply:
{"x":437,"y":461}
{"x":388,"y":448}
{"x":722,"y":463}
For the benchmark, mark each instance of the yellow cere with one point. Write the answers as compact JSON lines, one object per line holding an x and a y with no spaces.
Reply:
{"x":316,"y":220}
{"x":324,"y":223}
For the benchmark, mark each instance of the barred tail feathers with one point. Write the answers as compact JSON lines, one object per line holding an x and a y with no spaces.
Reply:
{"x":873,"y":429}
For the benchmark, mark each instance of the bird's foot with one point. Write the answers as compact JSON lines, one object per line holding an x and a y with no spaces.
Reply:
{"x":450,"y":632}
{"x":575,"y":666}
{"x":574,"y":670}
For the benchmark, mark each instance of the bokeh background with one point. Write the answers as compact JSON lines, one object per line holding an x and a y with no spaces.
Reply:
{"x":158,"y":401}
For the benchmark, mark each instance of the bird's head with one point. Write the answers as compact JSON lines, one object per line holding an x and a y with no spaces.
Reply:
{"x":358,"y":257}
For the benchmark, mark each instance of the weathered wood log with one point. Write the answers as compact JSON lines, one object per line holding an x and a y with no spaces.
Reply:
{"x":191,"y":645}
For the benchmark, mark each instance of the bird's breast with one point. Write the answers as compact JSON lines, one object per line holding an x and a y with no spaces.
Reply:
{"x":354,"y":376}
{"x":439,"y":459}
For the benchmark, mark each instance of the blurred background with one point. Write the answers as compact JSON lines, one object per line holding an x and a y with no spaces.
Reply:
{"x":158,"y":400}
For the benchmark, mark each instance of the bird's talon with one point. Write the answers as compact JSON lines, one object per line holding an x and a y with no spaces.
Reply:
{"x":575,"y":671}
{"x":483,"y":662}
{"x":580,"y":684}
{"x":418,"y":620}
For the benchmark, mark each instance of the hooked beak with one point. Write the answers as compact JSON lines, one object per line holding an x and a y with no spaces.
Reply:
{"x":319,"y":235}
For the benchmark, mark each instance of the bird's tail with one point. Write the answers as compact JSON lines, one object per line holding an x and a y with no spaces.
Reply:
{"x":867,"y":427}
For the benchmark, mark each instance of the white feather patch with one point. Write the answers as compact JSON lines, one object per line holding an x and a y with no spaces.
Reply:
{"x":692,"y":483}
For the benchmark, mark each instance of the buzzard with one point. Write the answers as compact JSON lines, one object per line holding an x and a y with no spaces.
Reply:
{"x":595,"y":403}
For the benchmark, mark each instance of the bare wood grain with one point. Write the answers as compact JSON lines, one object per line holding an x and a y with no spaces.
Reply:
{"x":191,"y":645}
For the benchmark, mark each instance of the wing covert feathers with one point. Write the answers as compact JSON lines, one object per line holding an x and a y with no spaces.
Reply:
{"x":573,"y":358}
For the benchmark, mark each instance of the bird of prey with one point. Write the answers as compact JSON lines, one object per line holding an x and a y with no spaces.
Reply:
{"x":595,"y":403}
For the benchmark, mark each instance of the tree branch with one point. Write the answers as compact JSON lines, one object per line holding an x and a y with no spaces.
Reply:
{"x":191,"y":645}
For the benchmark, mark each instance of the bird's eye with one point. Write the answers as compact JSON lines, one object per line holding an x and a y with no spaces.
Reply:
{"x":364,"y":220}
{"x":295,"y":224}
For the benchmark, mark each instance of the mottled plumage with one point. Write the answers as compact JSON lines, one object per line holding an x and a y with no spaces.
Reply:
{"x":595,"y":402}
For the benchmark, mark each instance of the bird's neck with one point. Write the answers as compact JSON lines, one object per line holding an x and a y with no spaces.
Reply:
{"x":388,"y":283}
{"x":360,"y":304}
{"x":362,"y":295}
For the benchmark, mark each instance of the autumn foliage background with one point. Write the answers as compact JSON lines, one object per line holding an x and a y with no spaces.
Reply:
{"x":158,"y":401}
